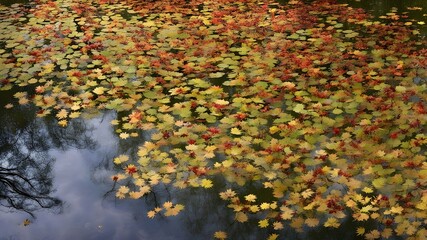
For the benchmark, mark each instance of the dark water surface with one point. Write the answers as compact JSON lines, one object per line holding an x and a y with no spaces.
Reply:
{"x":81,"y":169}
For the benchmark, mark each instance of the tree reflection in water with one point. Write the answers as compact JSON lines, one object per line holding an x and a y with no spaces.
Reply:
{"x":26,"y":181}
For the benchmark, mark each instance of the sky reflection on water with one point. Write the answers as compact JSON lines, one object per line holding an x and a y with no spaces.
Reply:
{"x":87,"y":215}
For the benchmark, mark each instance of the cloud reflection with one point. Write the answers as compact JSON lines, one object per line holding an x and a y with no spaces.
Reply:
{"x":87,"y":215}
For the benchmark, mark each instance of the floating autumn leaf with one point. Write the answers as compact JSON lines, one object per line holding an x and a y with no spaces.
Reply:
{"x":360,"y":231}
{"x":74,"y":114}
{"x":277,"y":225}
{"x":131,"y":169}
{"x":121,"y":159}
{"x":173,"y":211}
{"x":332,"y":222}
{"x":227,"y":194}
{"x":62,"y":114}
{"x":8,"y":106}
{"x":26,"y":222}
{"x":264,"y":206}
{"x":220,"y":235}
{"x":312,"y":222}
{"x":263,"y":223}
{"x":99,"y":90}
{"x":151,"y":214}
{"x":216,"y":75}
{"x":299,"y":108}
{"x":63,"y":123}
{"x":287,"y":213}
{"x":250,"y":198}
{"x":273,"y":236}
{"x":374,"y":234}
{"x":307,"y":193}
{"x":206,"y":183}
{"x":241,"y":217}
{"x":236,"y":131}
{"x":396,"y":210}
{"x":124,"y":135}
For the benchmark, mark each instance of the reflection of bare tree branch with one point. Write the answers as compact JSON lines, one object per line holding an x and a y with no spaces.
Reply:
{"x":63,"y":138}
{"x":26,"y":181}
{"x":113,"y":188}
{"x":27,"y":185}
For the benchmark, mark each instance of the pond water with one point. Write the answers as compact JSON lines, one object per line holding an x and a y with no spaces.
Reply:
{"x":81,"y":174}
{"x":81,"y":169}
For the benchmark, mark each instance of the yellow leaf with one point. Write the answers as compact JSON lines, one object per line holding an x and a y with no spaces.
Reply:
{"x":74,"y":114}
{"x":350,"y":203}
{"x":123,"y":190}
{"x":150,"y":118}
{"x":26,"y":222}
{"x":263,"y":223}
{"x":135,"y":195}
{"x":374,"y":234}
{"x":124,"y":135}
{"x":227,"y":194}
{"x":264,"y":206}
{"x":254,"y":208}
{"x":361,"y":216}
{"x":299,"y":108}
{"x":220,"y":235}
{"x":235,"y":131}
{"x":151,"y":214}
{"x":206,"y":183}
{"x":209,"y":155}
{"x":210,"y":148}
{"x":367,"y":190}
{"x":332,"y":222}
{"x":250,"y":198}
{"x":191,"y":147}
{"x":278,"y":225}
{"x":273,"y":236}
{"x":312,"y":222}
{"x":167,"y":204}
{"x":287,"y":213}
{"x":241,"y":217}
{"x":396,"y":210}
{"x":171,"y":212}
{"x":307,"y":193}
{"x":365,"y":122}
{"x":99,"y":90}
{"x":337,"y":111}
{"x":360,"y":231}
{"x":380,"y":153}
{"x":222,"y":102}
{"x":297,"y":223}
{"x":366,"y":208}
{"x":227,"y":163}
{"x":400,"y":89}
{"x":378,"y":183}
{"x":62,"y":114}
{"x":387,"y":233}
{"x":121,"y":159}
{"x":274,"y":129}
{"x":422,"y":206}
